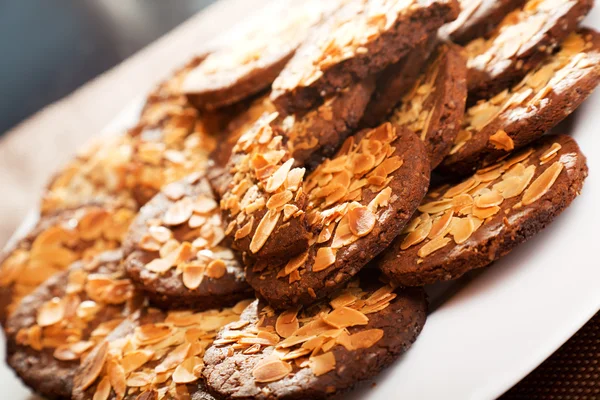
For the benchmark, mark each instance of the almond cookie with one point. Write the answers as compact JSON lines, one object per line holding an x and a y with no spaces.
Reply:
{"x":56,"y":242}
{"x":318,"y":351}
{"x":519,"y":115}
{"x":357,"y":203}
{"x":395,"y":81}
{"x":523,"y":39}
{"x":263,"y":204}
{"x":477,"y":18}
{"x":434,"y":107}
{"x":171,"y":140}
{"x":175,"y":250}
{"x":153,"y":355}
{"x":358,"y":40}
{"x":257,"y":54}
{"x":471,"y":224}
{"x":59,"y":322}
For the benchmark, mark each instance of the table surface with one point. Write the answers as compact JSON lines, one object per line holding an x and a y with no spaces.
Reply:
{"x":32,"y":150}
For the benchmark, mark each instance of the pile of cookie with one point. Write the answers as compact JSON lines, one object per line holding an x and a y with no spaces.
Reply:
{"x":266,"y":228}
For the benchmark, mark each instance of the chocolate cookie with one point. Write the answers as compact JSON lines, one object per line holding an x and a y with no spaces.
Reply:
{"x":171,"y":140}
{"x":175,"y":250}
{"x":477,"y":18}
{"x":60,"y":322}
{"x":434,"y":108}
{"x":360,"y":39}
{"x":523,"y":39}
{"x":56,"y":242}
{"x":262,"y":205}
{"x":315,"y":352}
{"x":153,"y":355}
{"x":357,"y":203}
{"x":519,"y":115}
{"x":469,"y":225}
{"x":256,"y":55}
{"x":395,"y":81}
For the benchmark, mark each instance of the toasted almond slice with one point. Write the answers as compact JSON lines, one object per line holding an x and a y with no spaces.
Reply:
{"x":324,"y":259}
{"x":92,"y":365}
{"x":435,"y":207}
{"x":501,"y":141}
{"x":489,"y":199}
{"x":263,"y":230}
{"x":322,"y":364}
{"x":552,"y":150}
{"x":116,"y":375}
{"x":192,"y":275}
{"x":216,"y":269}
{"x":361,"y":221}
{"x":344,"y":317}
{"x":483,"y":213}
{"x":51,"y":312}
{"x":102,"y":390}
{"x":285,"y":327}
{"x":204,"y":204}
{"x":462,"y":187}
{"x":419,"y":234}
{"x":179,"y":212}
{"x":433,"y":245}
{"x":135,"y":359}
{"x":271,"y":370}
{"x":440,"y":225}
{"x":174,"y":191}
{"x":542,"y":183}
{"x":365,"y":339}
{"x":174,"y":358}
{"x":279,"y":200}
{"x":279,"y":177}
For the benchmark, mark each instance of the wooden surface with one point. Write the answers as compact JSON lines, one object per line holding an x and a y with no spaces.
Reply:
{"x":31,"y":152}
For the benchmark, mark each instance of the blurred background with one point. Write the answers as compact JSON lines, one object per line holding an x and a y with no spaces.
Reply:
{"x":51,"y":47}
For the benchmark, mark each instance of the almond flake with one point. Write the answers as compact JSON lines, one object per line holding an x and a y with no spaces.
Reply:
{"x":263,"y":230}
{"x":102,"y":390}
{"x":135,"y":359}
{"x":461,"y":188}
{"x":160,"y":233}
{"x":344,"y":317}
{"x":174,"y":358}
{"x":501,"y":141}
{"x":483,"y":213}
{"x":440,"y":225}
{"x":324,"y":258}
{"x":433,"y":245}
{"x":271,"y":370}
{"x":279,"y":200}
{"x":550,"y":152}
{"x":322,"y":364}
{"x":542,"y":183}
{"x":418,"y":235}
{"x":174,"y":191}
{"x":193,"y":275}
{"x":489,"y":199}
{"x":361,"y":221}
{"x":92,"y":366}
{"x":365,"y":339}
{"x":279,"y":177}
{"x":216,"y":269}
{"x":179,"y":212}
{"x":285,"y":328}
{"x":116,"y":375}
{"x":50,"y":312}
{"x":159,"y":265}
{"x":245,"y":230}
{"x":294,"y":264}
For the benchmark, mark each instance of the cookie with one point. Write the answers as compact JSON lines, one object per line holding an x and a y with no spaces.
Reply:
{"x":317,"y":134}
{"x":256,"y":55}
{"x":395,"y":81}
{"x":216,"y":172}
{"x":171,"y":140}
{"x":56,"y":242}
{"x":477,"y":18}
{"x":360,"y":39}
{"x":357,"y":203}
{"x":153,"y":355}
{"x":523,"y":40}
{"x":262,"y":205}
{"x":175,"y":250}
{"x":59,"y":322}
{"x":469,"y":225}
{"x":315,"y":352}
{"x":434,"y":107}
{"x":517,"y":116}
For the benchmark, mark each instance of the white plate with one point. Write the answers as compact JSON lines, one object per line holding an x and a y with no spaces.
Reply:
{"x":498,"y":324}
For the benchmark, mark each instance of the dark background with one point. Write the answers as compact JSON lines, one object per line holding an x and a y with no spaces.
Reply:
{"x":48,"y":48}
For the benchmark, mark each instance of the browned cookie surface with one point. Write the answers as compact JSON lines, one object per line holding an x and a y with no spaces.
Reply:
{"x":471,"y":224}
{"x":523,"y":40}
{"x":59,"y":322}
{"x":315,"y":352}
{"x":516,"y":116}
{"x":255,"y":56}
{"x":262,"y":205}
{"x":477,"y":18}
{"x":396,"y":80}
{"x":357,"y":202}
{"x":176,"y":253}
{"x":57,"y":241}
{"x":434,"y":107}
{"x":153,"y":355}
{"x":358,"y":40}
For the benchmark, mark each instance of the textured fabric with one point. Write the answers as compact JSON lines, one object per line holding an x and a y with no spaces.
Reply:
{"x":572,"y":373}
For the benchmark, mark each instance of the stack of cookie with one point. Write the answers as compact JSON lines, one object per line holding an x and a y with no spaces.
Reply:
{"x":266,"y":228}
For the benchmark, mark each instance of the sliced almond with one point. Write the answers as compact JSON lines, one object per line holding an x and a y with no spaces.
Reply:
{"x":179,"y":212}
{"x":324,"y":258}
{"x":263,"y":230}
{"x":361,"y":221}
{"x":344,"y":317}
{"x":279,"y":177}
{"x":501,"y":141}
{"x":542,"y":183}
{"x":102,"y":390}
{"x":322,"y":364}
{"x":271,"y":370}
{"x":366,"y":339}
{"x":51,"y":312}
{"x":433,"y":246}
{"x":92,"y":366}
